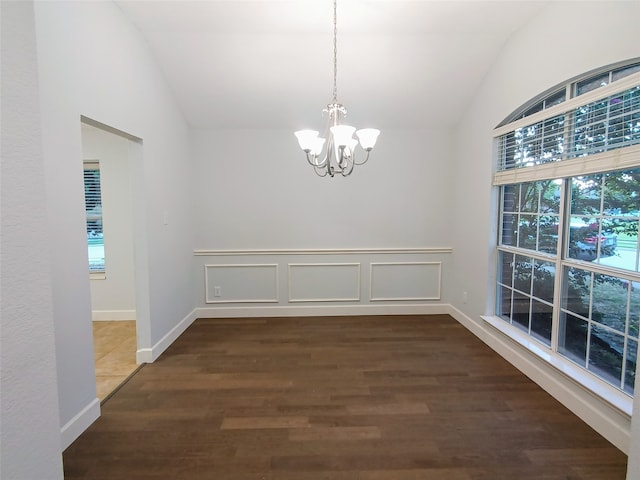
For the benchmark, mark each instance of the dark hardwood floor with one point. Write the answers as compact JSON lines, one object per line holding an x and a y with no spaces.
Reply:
{"x":357,"y":398}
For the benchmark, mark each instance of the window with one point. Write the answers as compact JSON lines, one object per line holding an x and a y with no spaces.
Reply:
{"x":93,"y":209}
{"x":568,"y":271}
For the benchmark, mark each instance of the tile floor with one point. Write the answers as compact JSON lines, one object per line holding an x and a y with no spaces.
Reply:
{"x":115,"y":347}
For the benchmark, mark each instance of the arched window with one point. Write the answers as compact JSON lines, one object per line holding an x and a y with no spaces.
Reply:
{"x":568,"y":270}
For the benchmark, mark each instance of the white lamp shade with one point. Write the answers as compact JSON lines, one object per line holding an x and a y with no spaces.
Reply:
{"x":317,"y":146}
{"x":342,"y":134}
{"x":368,"y":137}
{"x":352,"y":144}
{"x":307,"y":139}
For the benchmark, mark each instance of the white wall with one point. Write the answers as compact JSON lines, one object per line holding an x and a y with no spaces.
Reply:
{"x":527,"y":66}
{"x":30,"y":433}
{"x":93,"y":62}
{"x":113,"y":297}
{"x":255,"y":191}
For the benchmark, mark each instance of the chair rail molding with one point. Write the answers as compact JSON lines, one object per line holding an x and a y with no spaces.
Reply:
{"x":317,"y":280}
{"x":322,"y":251}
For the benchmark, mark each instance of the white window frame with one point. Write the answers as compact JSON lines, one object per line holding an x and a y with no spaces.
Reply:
{"x":623,"y":158}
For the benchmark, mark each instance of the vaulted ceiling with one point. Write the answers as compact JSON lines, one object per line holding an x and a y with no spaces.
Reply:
{"x":269,"y":64}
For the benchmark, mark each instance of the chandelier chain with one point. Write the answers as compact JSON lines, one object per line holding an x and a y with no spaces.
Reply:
{"x":335,"y":51}
{"x":339,"y":156}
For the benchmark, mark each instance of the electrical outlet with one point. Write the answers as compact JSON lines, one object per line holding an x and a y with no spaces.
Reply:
{"x":464,"y":297}
{"x":217,"y":291}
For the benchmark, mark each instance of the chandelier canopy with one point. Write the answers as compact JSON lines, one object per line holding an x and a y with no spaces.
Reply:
{"x":339,"y":155}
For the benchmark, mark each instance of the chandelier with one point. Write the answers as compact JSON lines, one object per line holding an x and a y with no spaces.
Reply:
{"x":339,"y":155}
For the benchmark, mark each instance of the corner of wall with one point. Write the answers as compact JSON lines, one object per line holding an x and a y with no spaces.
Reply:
{"x":150,"y":355}
{"x":79,"y":423}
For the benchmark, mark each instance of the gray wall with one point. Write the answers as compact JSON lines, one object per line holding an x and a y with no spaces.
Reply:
{"x":92,"y":62}
{"x":30,"y":442}
{"x":254,"y":189}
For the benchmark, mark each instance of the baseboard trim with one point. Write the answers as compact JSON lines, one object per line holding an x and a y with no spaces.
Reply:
{"x":78,"y":424}
{"x":321,"y":310}
{"x":591,"y":409}
{"x":150,"y":355}
{"x":112,"y":315}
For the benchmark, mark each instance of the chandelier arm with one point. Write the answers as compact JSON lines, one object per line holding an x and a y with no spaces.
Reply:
{"x":349,"y":159}
{"x":330,"y":170}
{"x":321,"y":172}
{"x":347,"y":171}
{"x":312,"y":159}
{"x":365,"y":158}
{"x":330,"y":152}
{"x":341,"y":157}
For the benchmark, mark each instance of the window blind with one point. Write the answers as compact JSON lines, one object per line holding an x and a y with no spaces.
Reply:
{"x":93,"y":210}
{"x":593,"y":125}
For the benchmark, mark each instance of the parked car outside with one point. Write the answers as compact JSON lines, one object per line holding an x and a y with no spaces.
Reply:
{"x":584,"y":241}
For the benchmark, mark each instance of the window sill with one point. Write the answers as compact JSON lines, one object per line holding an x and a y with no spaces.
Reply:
{"x":98,"y":276}
{"x":582,"y":377}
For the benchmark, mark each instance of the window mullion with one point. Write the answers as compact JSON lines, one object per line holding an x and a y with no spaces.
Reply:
{"x":589,"y":322}
{"x":558,"y":282}
{"x":625,"y":344}
{"x":569,"y":129}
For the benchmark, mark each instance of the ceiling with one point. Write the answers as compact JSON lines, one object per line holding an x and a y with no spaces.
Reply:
{"x":268,"y":63}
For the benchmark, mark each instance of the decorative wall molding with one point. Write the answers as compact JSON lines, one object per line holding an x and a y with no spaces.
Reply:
{"x":112,"y":315}
{"x":324,"y":251}
{"x":321,"y":276}
{"x":241,"y":283}
{"x":324,"y":282}
{"x":78,"y":424}
{"x":420,"y":281}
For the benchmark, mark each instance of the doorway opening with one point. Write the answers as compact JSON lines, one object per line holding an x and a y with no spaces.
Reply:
{"x":109,"y":166}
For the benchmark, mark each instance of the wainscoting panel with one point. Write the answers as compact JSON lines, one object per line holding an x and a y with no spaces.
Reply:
{"x":324,"y":282}
{"x":241,"y":283}
{"x":406,"y":281}
{"x":307,"y":282}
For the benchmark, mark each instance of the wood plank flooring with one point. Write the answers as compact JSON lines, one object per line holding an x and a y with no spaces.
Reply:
{"x":357,"y":398}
